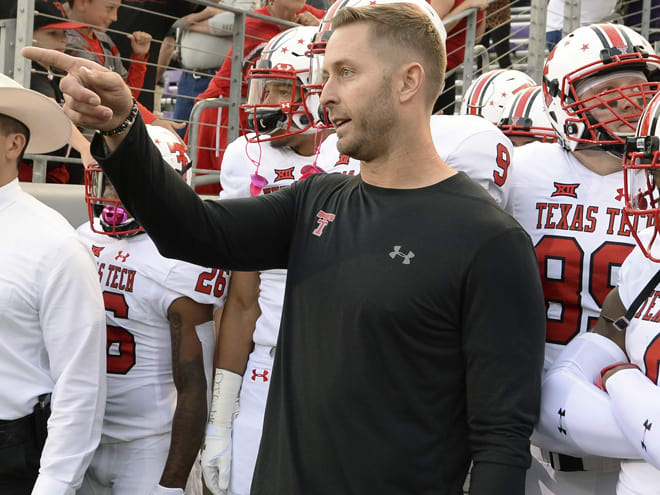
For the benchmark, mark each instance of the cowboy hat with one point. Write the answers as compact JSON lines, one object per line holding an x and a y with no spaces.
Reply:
{"x":50,"y":128}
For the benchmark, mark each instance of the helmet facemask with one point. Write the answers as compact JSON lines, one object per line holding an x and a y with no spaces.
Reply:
{"x":102,"y":203}
{"x":601,"y":112}
{"x":641,"y":164}
{"x":275,"y":106}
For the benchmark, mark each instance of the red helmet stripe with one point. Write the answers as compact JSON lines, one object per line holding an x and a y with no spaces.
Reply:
{"x":615,"y":37}
{"x":478,"y":91}
{"x":522,"y":103}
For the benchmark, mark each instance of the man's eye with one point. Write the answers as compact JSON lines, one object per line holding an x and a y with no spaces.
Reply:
{"x":346,"y":72}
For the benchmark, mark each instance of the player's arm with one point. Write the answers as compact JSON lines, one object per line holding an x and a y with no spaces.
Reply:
{"x":577,"y":417}
{"x":188,"y":373}
{"x":636,"y":406}
{"x":233,"y":346}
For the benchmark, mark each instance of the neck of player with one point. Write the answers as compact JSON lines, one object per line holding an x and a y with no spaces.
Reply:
{"x":599,"y":161}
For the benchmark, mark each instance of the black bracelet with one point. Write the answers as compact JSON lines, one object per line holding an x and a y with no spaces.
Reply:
{"x":125,"y":124}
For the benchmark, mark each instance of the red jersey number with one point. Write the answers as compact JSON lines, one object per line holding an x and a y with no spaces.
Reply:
{"x":120,"y":346}
{"x":503,"y":161}
{"x":205,"y":282}
{"x":561,"y":265}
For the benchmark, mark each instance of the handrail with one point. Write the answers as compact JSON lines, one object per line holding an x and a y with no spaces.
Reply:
{"x":193,"y":139}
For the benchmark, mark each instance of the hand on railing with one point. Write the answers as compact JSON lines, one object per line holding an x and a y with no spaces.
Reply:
{"x":140,"y":43}
{"x":307,"y":19}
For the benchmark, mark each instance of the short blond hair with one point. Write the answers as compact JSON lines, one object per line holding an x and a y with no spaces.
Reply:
{"x":407,"y":27}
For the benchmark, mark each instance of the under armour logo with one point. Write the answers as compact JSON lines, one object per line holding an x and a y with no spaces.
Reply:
{"x":97,"y":250}
{"x":647,"y":427}
{"x":562,"y":418}
{"x":263,"y":376}
{"x":619,"y":194}
{"x":122,"y":257}
{"x":323,"y":220}
{"x":406,"y":257}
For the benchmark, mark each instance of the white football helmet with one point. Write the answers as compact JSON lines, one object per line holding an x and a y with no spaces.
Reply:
{"x":641,"y":178}
{"x":578,"y":62}
{"x":317,"y":47}
{"x":524,"y":115}
{"x":104,"y":204}
{"x":489,"y":93}
{"x":275,"y":105}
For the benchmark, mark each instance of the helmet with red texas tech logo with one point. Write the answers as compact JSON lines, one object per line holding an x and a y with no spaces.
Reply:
{"x":275,"y":105}
{"x":586,"y":104}
{"x":524,"y":116}
{"x":641,"y":178}
{"x":317,"y":47}
{"x":489,"y":93}
{"x":106,"y":213}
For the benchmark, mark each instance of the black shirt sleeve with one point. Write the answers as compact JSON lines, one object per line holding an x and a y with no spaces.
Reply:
{"x":240,"y":234}
{"x":503,"y":345}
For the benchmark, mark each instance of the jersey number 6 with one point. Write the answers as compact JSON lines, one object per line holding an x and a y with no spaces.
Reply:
{"x":120,"y":348}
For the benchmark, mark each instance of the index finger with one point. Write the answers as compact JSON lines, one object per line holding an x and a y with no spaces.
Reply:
{"x":58,"y":59}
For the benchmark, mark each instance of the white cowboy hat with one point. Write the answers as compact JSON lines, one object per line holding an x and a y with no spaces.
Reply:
{"x":50,"y":128}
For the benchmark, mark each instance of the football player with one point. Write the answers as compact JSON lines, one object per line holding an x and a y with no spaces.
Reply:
{"x":160,"y":345}
{"x":280,"y":146}
{"x":490,"y":92}
{"x":568,"y":196}
{"x":524,"y":119}
{"x":623,"y":353}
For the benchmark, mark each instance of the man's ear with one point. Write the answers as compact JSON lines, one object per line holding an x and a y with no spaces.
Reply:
{"x":14,"y":145}
{"x":411,"y":81}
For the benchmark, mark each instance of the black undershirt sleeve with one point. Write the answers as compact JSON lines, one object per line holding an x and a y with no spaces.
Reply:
{"x":244,"y":234}
{"x":503,"y":345}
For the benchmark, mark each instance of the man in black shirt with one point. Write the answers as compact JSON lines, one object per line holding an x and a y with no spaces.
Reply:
{"x":412,"y":333}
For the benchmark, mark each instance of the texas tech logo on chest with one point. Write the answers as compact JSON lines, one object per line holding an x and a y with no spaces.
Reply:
{"x":323,"y":219}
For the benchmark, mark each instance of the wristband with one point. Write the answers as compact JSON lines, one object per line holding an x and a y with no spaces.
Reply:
{"x":125,"y":124}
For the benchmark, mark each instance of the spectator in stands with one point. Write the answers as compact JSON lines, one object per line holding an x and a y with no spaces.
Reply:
{"x":591,"y":11}
{"x":455,"y":45}
{"x":212,"y":140}
{"x":157,"y":20}
{"x":93,"y":43}
{"x":498,"y":31}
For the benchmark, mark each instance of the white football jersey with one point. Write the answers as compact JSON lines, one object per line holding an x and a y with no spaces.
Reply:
{"x":139,"y":285}
{"x":280,"y":167}
{"x":473,"y":145}
{"x":574,"y":217}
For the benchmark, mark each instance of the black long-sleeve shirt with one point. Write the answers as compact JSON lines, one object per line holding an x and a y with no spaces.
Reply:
{"x":412,"y":331}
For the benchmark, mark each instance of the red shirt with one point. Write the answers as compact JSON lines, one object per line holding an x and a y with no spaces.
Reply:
{"x":456,"y":39}
{"x":212,"y":143}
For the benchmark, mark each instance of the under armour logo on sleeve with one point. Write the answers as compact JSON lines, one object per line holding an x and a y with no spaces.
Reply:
{"x":323,"y":220}
{"x":406,"y":257}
